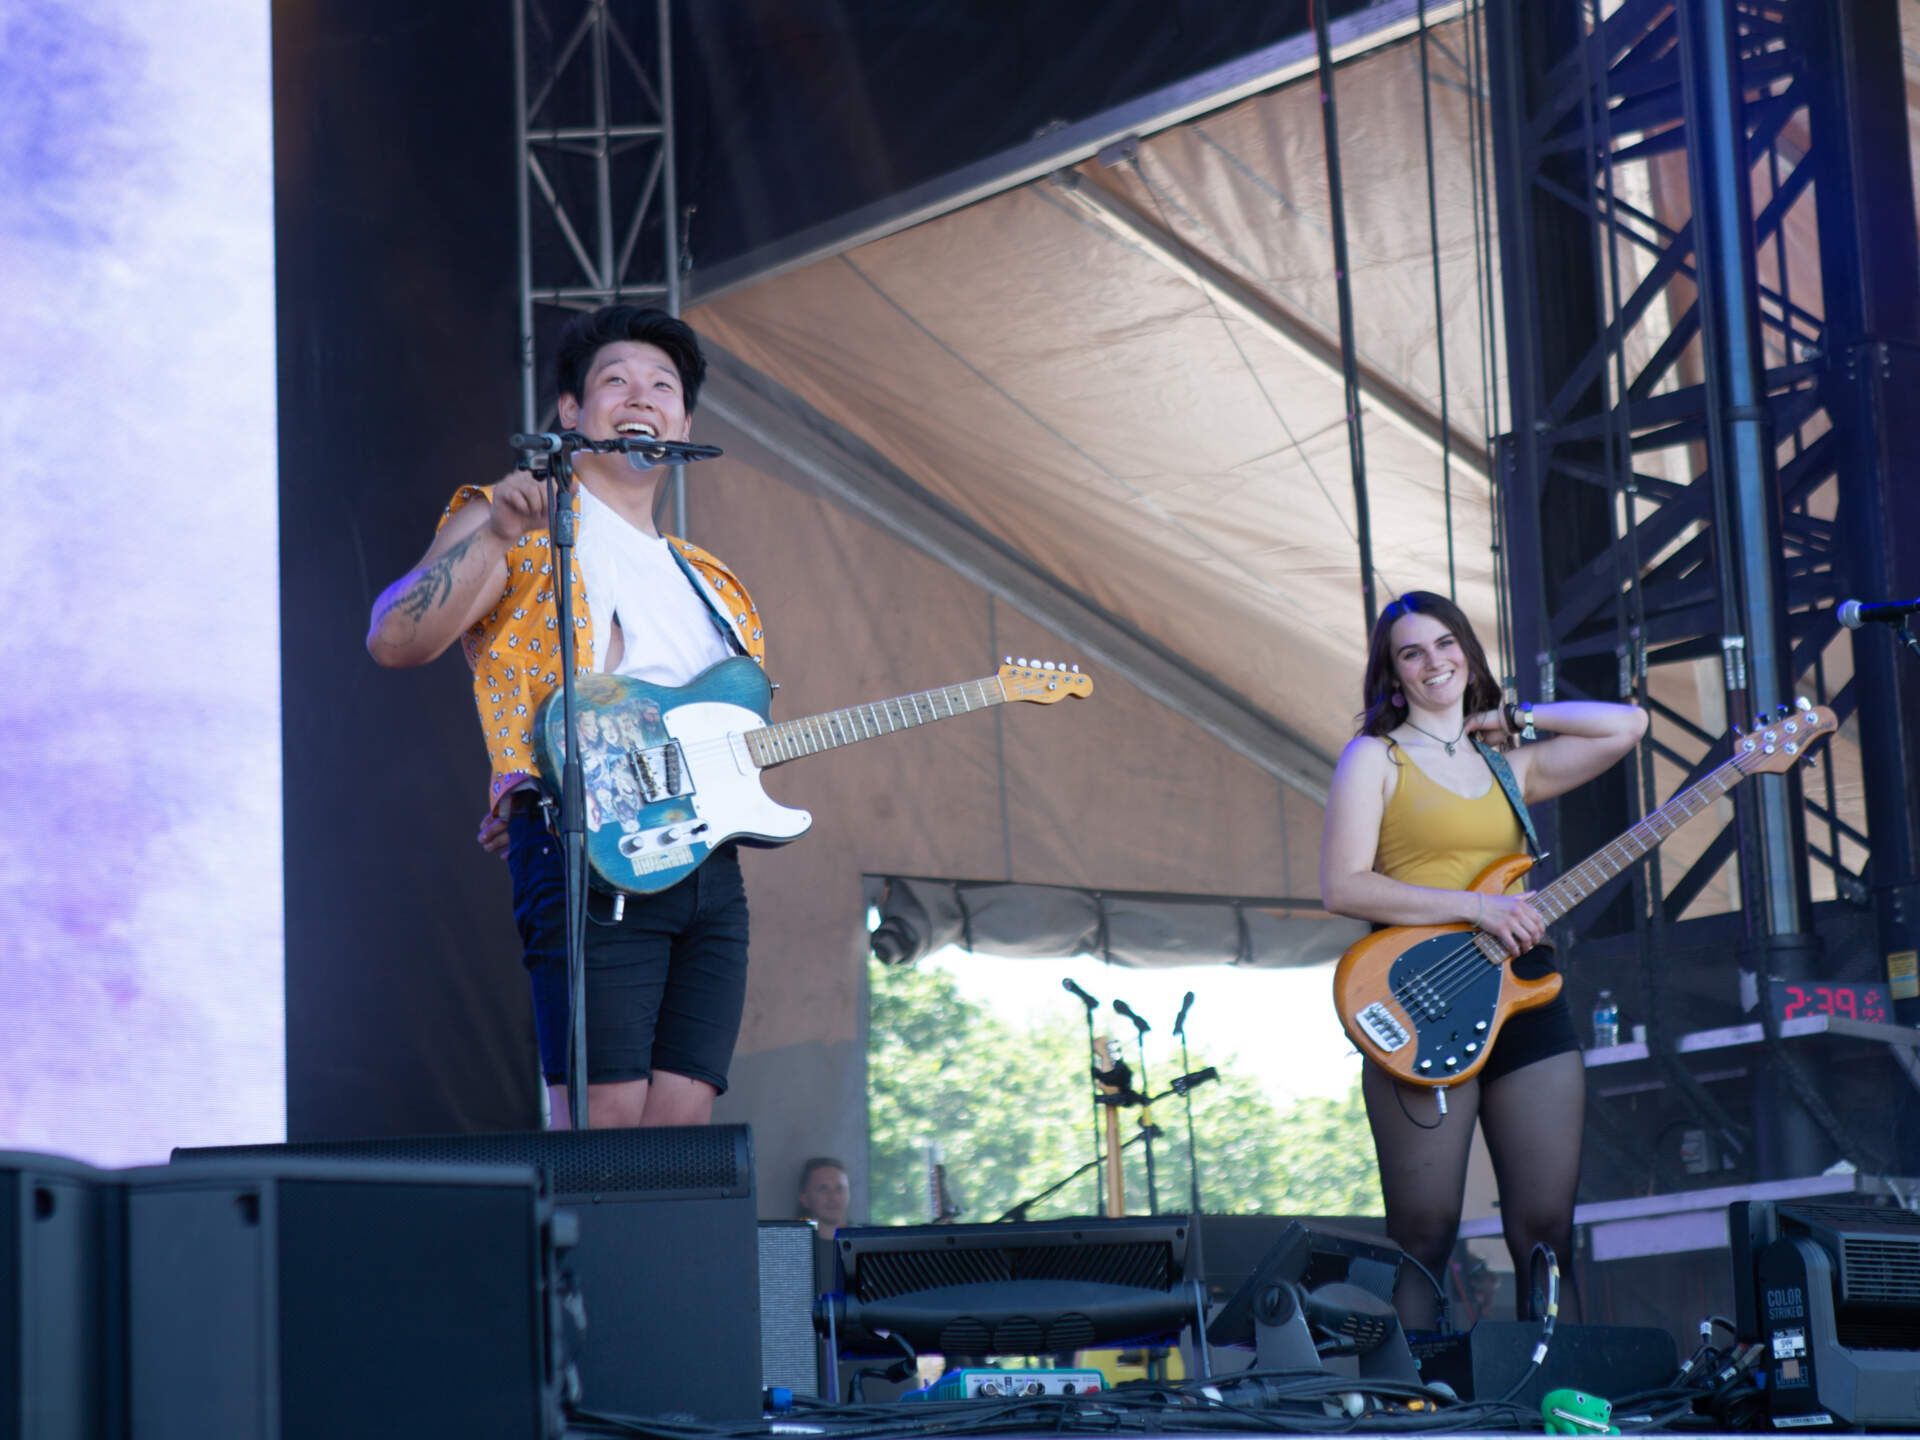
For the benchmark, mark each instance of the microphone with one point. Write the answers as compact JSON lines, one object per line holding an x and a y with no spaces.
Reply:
{"x":1855,"y":613}
{"x":1198,"y":1077}
{"x":1180,"y":1020}
{"x":644,"y":454}
{"x":1080,"y":995}
{"x":1121,"y":1007}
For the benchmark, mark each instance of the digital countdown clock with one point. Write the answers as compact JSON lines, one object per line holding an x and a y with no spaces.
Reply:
{"x":1851,"y":1000}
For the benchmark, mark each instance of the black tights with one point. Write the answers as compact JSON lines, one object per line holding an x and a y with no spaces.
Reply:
{"x":1531,"y":1118}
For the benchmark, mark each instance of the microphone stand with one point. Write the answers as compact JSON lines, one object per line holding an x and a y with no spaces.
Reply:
{"x":562,"y":527}
{"x":1019,"y":1212}
{"x":1099,"y":1144}
{"x":1186,"y":1091}
{"x":1146,"y":1117}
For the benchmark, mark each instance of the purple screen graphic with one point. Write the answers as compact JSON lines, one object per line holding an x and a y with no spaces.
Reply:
{"x":141,"y":998}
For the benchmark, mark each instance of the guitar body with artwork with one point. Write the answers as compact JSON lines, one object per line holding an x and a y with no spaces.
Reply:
{"x":672,"y":773}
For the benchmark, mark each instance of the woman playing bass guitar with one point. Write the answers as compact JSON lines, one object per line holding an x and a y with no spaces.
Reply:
{"x":1415,"y":811}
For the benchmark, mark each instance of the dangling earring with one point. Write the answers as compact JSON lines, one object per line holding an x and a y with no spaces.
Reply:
{"x":1399,"y":701}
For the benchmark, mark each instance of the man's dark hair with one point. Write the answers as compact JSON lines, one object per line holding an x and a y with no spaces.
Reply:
{"x":818,"y":1162}
{"x":586,"y":334}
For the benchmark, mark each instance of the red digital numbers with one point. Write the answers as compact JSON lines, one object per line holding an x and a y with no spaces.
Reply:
{"x":1849,"y":1002}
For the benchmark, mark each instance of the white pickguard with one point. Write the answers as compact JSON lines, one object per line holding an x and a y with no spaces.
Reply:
{"x":726,"y":783}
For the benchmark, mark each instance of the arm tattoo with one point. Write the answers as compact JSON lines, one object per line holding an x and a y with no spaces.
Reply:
{"x":434,"y":585}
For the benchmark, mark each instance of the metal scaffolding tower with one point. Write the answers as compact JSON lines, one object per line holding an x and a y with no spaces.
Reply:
{"x":1702,"y":454}
{"x":598,"y":205}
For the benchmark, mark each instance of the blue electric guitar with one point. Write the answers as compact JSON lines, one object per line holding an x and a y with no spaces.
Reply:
{"x":672,"y":774}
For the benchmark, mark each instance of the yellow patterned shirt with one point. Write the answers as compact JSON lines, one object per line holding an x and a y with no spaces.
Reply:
{"x":514,"y":651}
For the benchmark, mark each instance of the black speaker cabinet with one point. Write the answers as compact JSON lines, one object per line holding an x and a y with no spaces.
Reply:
{"x":281,"y":1298}
{"x":59,"y":1379}
{"x":667,"y":1262}
{"x":1484,"y":1363}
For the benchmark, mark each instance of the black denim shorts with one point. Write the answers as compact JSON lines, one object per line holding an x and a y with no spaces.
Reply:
{"x":666,"y":985}
{"x":1532,"y":1034}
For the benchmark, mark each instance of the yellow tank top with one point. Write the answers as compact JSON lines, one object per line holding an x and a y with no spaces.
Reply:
{"x":1431,"y":836}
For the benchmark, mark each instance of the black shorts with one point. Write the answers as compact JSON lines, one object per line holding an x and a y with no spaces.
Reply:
{"x":666,"y":986}
{"x":1532,"y":1034}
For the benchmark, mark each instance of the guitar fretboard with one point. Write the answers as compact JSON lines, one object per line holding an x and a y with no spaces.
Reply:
{"x":1593,"y":872}
{"x":777,"y":744}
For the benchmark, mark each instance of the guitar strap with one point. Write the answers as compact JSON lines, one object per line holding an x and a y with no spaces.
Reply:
{"x":1510,"y":787}
{"x":721,"y":621}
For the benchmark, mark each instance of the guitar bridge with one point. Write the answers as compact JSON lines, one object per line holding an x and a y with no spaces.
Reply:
{"x":1381,"y":1028}
{"x":659,"y":772}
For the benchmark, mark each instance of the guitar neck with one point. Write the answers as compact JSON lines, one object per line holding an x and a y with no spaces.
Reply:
{"x":1593,"y":872}
{"x":777,"y":744}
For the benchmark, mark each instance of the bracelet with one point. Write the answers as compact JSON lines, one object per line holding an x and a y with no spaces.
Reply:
{"x":1527,"y":732}
{"x":1510,"y":718}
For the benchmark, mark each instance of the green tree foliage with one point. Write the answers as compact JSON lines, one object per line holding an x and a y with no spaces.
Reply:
{"x":1008,"y":1105}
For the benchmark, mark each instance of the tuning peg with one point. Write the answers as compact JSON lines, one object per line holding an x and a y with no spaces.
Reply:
{"x":1785,"y":709}
{"x":1737,"y":731}
{"x":1006,"y":659}
{"x":1760,"y":721}
{"x":1021,"y":662}
{"x":1074,"y":668}
{"x":1802,"y":703}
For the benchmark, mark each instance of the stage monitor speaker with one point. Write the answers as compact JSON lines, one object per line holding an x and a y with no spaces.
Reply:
{"x":281,"y":1299}
{"x":59,"y":1372}
{"x":1036,"y":1288}
{"x":1834,"y":1293}
{"x":1485,"y":1363}
{"x":789,"y":1349}
{"x":667,"y":1262}
{"x":1315,"y":1285}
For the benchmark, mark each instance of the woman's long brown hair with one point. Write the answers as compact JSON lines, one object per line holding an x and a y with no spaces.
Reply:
{"x":1385,"y":706}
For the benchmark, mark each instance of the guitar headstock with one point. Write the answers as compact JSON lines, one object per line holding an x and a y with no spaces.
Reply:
{"x":1778,"y":743}
{"x":1042,"y":681}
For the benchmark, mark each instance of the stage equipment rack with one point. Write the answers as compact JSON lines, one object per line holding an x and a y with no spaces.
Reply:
{"x":1700,"y":457}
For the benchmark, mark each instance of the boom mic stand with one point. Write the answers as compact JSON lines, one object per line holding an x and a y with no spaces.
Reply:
{"x":1019,"y":1212}
{"x":1146,"y":1119}
{"x":643,"y":452}
{"x":1099,"y":1147}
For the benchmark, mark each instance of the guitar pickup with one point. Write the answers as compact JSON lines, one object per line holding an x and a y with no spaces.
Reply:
{"x":660,"y":772}
{"x":1385,"y":1031}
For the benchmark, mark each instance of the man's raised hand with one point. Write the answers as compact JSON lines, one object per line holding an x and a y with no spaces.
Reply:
{"x":519,"y":506}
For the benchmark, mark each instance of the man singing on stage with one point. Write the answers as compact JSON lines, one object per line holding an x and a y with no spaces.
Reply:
{"x":666,"y":982}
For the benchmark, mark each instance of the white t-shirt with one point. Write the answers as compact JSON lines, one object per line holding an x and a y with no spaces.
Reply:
{"x":632,"y":580}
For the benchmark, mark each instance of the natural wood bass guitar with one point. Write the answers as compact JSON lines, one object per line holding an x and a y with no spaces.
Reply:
{"x":673,"y":773}
{"x":1426,"y":1002}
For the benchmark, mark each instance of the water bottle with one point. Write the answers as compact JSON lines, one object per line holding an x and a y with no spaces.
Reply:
{"x":1606,"y":1021}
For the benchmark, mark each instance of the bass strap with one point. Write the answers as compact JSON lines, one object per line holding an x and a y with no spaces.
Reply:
{"x":1509,"y":787}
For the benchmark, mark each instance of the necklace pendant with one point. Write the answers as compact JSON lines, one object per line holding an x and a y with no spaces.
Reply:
{"x":1449,"y":745}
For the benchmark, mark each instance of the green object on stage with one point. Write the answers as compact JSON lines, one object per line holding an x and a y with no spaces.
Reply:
{"x":1574,"y":1412}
